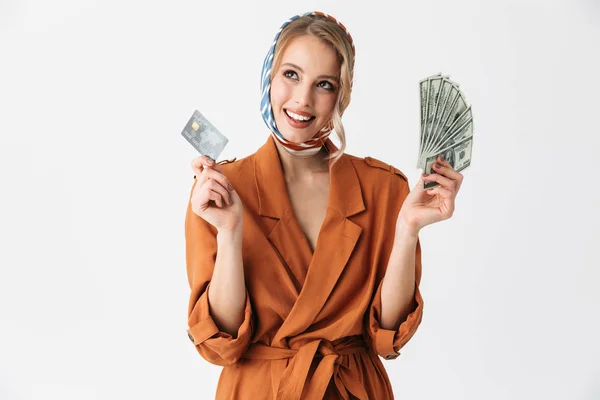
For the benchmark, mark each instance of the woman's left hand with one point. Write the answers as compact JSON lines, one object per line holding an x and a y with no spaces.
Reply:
{"x":423,"y":207}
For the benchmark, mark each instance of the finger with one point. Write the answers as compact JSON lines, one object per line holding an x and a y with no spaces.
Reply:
{"x":446,"y":170}
{"x":444,"y":193}
{"x":457,"y":176}
{"x":204,"y":197}
{"x":442,"y":180}
{"x":203,"y":160}
{"x":419,"y":185}
{"x":216,"y":187}
{"x":203,"y":176}
{"x":205,"y":186}
{"x":442,"y":160}
{"x":216,"y":197}
{"x":199,"y":163}
{"x":218,"y":176}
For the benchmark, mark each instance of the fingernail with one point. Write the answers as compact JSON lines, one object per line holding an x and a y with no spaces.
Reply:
{"x":229,"y":186}
{"x":210,"y":161}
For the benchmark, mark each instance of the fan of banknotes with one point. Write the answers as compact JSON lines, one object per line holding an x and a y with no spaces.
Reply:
{"x":446,"y":125}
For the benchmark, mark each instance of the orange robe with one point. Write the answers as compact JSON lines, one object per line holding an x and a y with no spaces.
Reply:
{"x":312,"y":321}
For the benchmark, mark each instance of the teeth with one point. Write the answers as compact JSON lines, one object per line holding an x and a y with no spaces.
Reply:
{"x":296,"y":116}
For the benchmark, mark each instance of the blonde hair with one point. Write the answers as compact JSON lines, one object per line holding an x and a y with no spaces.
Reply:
{"x":331,"y":33}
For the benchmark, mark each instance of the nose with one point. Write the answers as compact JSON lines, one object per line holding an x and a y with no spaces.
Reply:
{"x":303,"y":94}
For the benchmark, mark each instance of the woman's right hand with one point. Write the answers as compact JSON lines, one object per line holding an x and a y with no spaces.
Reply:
{"x":213,"y":198}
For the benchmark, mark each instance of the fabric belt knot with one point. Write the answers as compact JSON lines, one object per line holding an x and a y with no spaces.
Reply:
{"x":333,"y":362}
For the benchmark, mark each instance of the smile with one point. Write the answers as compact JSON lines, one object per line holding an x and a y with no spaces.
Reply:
{"x":298,"y":121}
{"x":297,"y":117}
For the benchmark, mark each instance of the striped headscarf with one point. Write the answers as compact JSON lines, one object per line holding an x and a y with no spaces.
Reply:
{"x":313,"y":145}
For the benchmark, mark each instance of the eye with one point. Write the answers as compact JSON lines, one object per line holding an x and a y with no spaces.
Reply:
{"x":288,"y":72}
{"x":331,"y":88}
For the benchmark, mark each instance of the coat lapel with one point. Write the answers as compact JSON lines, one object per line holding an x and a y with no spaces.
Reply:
{"x":287,"y":237}
{"x":315,"y":274}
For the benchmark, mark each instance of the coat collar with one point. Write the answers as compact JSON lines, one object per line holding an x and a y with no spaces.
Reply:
{"x":345,"y":196}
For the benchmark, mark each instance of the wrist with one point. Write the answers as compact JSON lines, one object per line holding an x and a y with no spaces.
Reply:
{"x":405,"y":231}
{"x":229,"y":234}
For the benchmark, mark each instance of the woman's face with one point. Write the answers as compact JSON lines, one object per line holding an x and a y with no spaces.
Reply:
{"x":306,"y":83}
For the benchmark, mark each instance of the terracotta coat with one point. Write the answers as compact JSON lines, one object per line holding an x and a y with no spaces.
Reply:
{"x":311,"y":327}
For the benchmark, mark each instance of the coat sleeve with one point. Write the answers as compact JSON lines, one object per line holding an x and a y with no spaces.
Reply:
{"x":214,"y":345}
{"x":386,"y":342}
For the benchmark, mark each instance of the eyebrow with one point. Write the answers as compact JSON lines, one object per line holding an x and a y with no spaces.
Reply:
{"x":320,"y":76}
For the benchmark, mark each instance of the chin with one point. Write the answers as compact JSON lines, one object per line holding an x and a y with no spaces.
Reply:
{"x":294,"y":135}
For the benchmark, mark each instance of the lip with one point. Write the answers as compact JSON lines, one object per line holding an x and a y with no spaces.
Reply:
{"x":296,"y":124}
{"x":298,"y":112}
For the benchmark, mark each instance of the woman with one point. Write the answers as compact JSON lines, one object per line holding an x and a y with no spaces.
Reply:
{"x":304,"y":262}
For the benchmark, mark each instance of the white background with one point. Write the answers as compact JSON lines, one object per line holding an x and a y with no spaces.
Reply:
{"x":95,"y":179}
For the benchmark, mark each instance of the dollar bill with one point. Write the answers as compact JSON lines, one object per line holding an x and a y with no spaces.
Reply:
{"x":425,"y":109}
{"x":441,"y":105}
{"x":452,"y":106}
{"x":462,"y":129}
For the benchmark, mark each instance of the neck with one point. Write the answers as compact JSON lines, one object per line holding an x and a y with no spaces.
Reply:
{"x":302,"y":167}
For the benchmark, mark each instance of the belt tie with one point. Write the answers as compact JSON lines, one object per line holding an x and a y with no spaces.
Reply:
{"x":334,"y":363}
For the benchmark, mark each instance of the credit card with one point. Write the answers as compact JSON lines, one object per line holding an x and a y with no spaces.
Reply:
{"x":203,"y":135}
